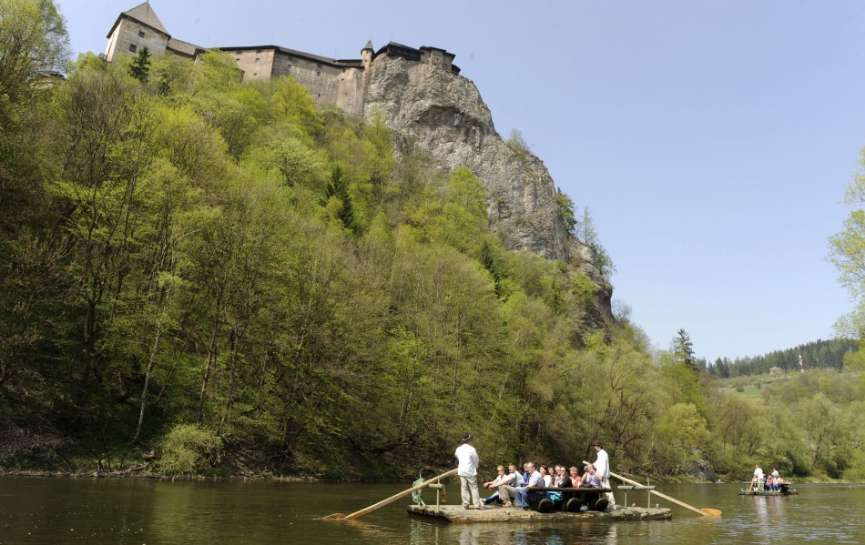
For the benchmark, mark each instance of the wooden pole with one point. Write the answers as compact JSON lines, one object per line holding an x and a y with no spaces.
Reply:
{"x":705,"y":511}
{"x":373,"y":507}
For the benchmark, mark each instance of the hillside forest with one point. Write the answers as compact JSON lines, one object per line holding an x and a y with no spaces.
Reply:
{"x":243,"y":283}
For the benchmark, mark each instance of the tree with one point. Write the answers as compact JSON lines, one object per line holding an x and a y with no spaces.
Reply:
{"x":566,"y":211}
{"x":33,"y":44}
{"x":139,"y":68}
{"x":681,"y":438}
{"x":337,"y":199}
{"x":33,"y":47}
{"x":847,"y":253}
{"x":683,"y":349}
{"x":590,"y":239}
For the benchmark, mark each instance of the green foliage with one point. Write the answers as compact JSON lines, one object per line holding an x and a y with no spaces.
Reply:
{"x":517,"y":143}
{"x":292,"y":104}
{"x":567,"y":211}
{"x":188,"y":449}
{"x":683,"y":350}
{"x":338,"y":201}
{"x":456,"y":215}
{"x":681,"y":438}
{"x":197,"y":250}
{"x":33,"y":44}
{"x":840,"y":353}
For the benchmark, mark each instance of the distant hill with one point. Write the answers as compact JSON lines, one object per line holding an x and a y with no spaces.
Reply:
{"x":817,"y":354}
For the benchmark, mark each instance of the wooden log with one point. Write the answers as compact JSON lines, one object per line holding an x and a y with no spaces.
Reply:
{"x":373,"y":507}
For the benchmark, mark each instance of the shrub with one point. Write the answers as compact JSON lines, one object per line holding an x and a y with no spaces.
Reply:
{"x":188,"y":448}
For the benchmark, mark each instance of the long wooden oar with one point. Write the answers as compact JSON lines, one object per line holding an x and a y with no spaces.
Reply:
{"x":340,"y":516}
{"x":705,"y":511}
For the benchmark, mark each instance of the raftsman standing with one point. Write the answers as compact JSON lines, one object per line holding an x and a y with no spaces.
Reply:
{"x":468,"y":472}
{"x":602,"y":469}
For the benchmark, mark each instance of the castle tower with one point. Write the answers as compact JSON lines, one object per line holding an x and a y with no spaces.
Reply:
{"x":366,"y":55}
{"x":135,"y":29}
{"x":140,"y":27}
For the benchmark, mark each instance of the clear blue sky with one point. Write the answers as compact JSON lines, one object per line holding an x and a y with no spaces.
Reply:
{"x":711,"y":140}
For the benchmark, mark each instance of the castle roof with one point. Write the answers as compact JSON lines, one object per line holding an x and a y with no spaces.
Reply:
{"x":184,"y":48}
{"x":293,"y":52}
{"x":142,"y":13}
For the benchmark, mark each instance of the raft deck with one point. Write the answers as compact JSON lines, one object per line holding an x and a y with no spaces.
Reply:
{"x":785,"y":491}
{"x":490,"y":513}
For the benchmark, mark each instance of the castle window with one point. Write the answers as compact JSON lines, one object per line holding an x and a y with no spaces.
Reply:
{"x":318,"y":72}
{"x":133,"y":48}
{"x":256,"y":59}
{"x":288,"y":67}
{"x":140,"y":33}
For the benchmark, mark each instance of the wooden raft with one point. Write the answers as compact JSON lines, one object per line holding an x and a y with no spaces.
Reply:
{"x":490,"y":513}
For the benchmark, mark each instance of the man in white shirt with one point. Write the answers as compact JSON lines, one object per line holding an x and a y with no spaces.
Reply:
{"x":602,"y":470}
{"x":468,"y":472}
{"x":524,"y":494}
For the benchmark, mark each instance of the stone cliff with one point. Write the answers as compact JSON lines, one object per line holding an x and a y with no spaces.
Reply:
{"x":444,"y":114}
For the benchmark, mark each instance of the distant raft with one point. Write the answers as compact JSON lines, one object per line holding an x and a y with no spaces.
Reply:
{"x":785,"y":490}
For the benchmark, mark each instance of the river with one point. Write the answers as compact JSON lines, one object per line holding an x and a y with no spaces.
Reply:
{"x":148,"y":512}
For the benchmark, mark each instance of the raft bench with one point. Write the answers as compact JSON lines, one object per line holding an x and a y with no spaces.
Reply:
{"x":625,"y":488}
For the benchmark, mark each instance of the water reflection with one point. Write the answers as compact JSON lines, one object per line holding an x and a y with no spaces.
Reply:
{"x":612,"y":535}
{"x":132,"y":512}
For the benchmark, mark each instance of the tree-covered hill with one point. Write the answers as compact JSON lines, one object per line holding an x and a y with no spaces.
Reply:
{"x":238,"y":281}
{"x":815,"y":355}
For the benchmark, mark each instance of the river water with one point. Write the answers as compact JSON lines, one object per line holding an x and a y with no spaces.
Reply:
{"x":149,"y":512}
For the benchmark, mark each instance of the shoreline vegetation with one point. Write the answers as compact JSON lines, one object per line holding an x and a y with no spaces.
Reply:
{"x":232,"y":281}
{"x":139,"y":473}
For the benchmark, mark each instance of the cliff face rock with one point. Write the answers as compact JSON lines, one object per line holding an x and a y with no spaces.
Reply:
{"x":444,"y":114}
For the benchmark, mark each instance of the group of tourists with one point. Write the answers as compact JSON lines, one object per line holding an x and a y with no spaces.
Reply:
{"x":761,"y":482}
{"x":515,"y":489}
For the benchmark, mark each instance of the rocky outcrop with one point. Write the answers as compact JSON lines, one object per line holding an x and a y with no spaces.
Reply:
{"x":443,"y":114}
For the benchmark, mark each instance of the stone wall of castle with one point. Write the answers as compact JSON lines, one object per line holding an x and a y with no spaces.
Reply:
{"x":327,"y":84}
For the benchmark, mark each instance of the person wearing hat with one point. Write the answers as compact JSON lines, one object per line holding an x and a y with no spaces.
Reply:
{"x":602,"y":470}
{"x":468,"y":472}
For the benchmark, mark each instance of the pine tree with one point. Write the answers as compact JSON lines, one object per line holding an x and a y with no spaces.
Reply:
{"x":337,"y":190}
{"x":140,"y":66}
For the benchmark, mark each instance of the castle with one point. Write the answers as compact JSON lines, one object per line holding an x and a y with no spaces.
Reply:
{"x":422,"y":97}
{"x":342,"y":82}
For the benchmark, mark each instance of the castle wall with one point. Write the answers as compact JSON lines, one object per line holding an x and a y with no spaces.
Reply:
{"x":326,"y":83}
{"x":320,"y":79}
{"x":255,"y":63}
{"x":132,"y":33}
{"x":438,"y":58}
{"x":329,"y":81}
{"x":350,"y":95}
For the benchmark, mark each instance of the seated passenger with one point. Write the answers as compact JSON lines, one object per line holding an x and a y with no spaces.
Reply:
{"x":524,"y":494}
{"x":507,"y":490}
{"x":496,"y":483}
{"x":545,"y":475}
{"x":590,"y":480}
{"x":575,"y":477}
{"x":563,"y":480}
